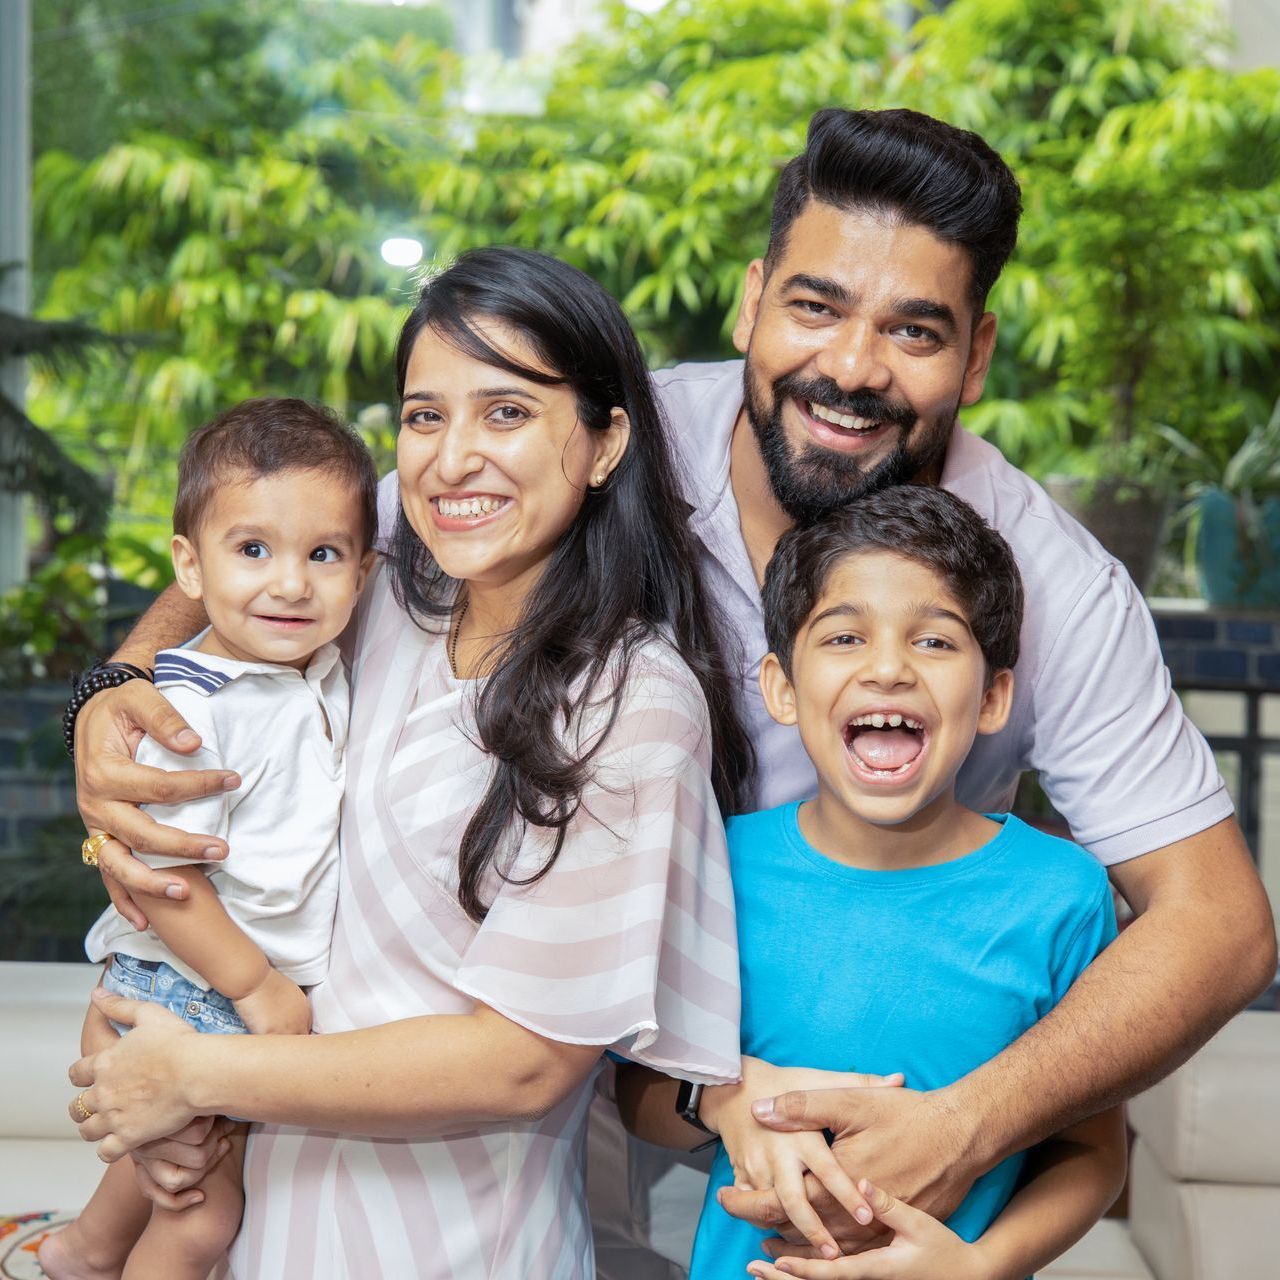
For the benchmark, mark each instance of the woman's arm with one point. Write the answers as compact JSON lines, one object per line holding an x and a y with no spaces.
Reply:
{"x":420,"y":1077}
{"x":1070,"y":1182}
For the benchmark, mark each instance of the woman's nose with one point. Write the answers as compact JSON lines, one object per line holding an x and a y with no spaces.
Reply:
{"x":457,"y":453}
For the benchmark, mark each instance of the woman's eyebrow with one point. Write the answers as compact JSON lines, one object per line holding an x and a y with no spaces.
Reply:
{"x":481,"y":393}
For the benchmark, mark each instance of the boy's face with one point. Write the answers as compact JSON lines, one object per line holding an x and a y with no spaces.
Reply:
{"x":886,"y":644}
{"x":278,"y":563}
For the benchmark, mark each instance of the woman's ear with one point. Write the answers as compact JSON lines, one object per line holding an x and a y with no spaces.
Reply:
{"x":779,"y":693}
{"x":611,"y":445}
{"x":997,"y":702}
{"x":186,"y":567}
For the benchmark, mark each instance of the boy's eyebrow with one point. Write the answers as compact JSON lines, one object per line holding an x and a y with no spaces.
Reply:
{"x":342,"y":536}
{"x":926,"y":609}
{"x":481,"y":393}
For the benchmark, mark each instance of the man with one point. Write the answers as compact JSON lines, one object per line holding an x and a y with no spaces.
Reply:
{"x":864,"y":332}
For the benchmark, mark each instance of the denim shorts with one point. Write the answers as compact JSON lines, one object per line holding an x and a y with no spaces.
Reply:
{"x":159,"y":983}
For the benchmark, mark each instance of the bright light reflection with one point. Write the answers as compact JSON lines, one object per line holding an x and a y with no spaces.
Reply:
{"x":401,"y":251}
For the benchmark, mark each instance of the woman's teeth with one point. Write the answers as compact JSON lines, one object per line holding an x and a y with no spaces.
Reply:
{"x":845,"y":420}
{"x":460,"y":507}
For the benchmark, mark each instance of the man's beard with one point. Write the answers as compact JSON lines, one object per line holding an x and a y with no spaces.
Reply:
{"x":810,"y":481}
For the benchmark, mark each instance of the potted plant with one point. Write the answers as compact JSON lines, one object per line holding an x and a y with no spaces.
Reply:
{"x":1233,"y":517}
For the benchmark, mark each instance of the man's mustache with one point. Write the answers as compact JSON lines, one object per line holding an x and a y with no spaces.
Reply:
{"x":860,"y":404}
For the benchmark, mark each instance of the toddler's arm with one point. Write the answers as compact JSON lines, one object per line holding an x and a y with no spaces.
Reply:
{"x":199,"y":932}
{"x":1070,"y":1182}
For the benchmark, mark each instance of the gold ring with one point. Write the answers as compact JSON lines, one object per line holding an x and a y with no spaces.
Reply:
{"x":79,"y":1110}
{"x":91,"y":846}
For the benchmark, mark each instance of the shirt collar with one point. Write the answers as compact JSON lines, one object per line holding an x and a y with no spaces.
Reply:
{"x":206,"y":673}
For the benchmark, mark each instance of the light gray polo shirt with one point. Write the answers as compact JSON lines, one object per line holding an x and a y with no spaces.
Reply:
{"x":1093,"y":709}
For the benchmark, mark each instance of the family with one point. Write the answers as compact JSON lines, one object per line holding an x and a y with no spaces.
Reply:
{"x":446,"y":772}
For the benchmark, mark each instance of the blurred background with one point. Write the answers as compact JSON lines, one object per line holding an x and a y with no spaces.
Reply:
{"x":202,"y":201}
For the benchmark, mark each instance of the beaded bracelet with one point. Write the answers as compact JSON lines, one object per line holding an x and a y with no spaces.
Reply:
{"x":102,"y":675}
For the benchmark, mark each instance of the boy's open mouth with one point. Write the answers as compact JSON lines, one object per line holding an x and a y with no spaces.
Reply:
{"x":885,"y":744}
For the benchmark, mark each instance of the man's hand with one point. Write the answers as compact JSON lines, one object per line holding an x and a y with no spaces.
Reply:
{"x":110,"y":786}
{"x":276,"y":1007}
{"x":917,"y":1143}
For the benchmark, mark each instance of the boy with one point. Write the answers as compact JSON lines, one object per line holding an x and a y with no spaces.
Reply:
{"x":273,"y":531}
{"x":882,"y":923}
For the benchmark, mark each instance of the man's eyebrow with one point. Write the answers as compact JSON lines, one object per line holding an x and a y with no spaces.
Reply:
{"x":925,"y":309}
{"x":824,"y":287}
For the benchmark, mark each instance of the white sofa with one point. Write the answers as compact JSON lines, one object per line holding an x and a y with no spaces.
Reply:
{"x":1204,"y":1189}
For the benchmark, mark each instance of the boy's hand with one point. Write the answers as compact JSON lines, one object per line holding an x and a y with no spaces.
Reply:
{"x":921,"y":1249}
{"x":763,"y":1159}
{"x":276,"y":1007}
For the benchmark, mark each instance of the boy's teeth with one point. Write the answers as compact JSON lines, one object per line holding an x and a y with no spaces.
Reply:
{"x":845,"y":420}
{"x":467,"y":506}
{"x":878,"y":720}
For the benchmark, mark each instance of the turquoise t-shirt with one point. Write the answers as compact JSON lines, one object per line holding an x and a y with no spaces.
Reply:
{"x":929,"y":971}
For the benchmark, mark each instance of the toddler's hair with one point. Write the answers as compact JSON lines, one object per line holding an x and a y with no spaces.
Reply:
{"x":921,"y":523}
{"x":265,"y":436}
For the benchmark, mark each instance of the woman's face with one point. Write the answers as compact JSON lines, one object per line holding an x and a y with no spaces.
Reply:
{"x":494,"y":467}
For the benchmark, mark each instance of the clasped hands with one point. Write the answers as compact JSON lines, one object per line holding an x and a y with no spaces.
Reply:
{"x":814,"y":1195}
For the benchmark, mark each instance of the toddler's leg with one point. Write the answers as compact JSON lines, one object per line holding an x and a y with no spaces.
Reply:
{"x":96,"y":1244}
{"x":187,"y":1244}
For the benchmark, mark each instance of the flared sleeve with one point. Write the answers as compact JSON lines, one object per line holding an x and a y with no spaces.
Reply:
{"x":629,"y":941}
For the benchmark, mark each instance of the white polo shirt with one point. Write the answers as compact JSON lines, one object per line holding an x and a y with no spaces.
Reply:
{"x":1093,"y":708}
{"x":285,"y":733}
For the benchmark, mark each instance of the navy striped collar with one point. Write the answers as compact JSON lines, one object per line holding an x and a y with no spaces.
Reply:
{"x":206,"y":673}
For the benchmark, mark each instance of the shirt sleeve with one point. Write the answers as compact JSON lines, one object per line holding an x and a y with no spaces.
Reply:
{"x":206,"y":816}
{"x":629,"y":941}
{"x":1096,"y":931}
{"x":1117,"y":755}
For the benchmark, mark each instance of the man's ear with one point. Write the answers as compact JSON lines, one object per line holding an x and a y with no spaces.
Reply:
{"x":749,"y":307}
{"x":779,"y":693}
{"x":186,"y":567}
{"x":997,"y":702}
{"x":981,"y":349}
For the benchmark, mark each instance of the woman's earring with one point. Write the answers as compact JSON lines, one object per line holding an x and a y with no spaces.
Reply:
{"x":598,"y":480}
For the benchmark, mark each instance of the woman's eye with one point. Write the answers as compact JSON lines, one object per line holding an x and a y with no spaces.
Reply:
{"x":253,"y":550}
{"x":420,"y":419}
{"x":326,"y":555}
{"x":508,"y":415}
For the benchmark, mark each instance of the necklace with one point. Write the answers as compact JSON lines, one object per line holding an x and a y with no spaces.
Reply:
{"x":453,"y":640}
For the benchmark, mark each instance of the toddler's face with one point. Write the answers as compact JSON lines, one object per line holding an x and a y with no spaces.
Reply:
{"x":278,"y":563}
{"x":888,"y":687}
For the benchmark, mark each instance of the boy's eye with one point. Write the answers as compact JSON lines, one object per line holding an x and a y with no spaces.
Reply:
{"x":844,"y":640}
{"x":935,"y":642}
{"x":253,"y":550}
{"x":326,"y":555}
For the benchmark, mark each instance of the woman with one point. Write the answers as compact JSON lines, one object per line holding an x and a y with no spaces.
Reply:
{"x":533,"y":863}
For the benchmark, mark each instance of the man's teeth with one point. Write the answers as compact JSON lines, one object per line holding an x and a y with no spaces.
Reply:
{"x":468,"y":506}
{"x":845,"y":420}
{"x":878,"y":721}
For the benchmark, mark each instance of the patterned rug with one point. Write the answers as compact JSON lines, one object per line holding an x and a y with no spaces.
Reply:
{"x":20,"y":1238}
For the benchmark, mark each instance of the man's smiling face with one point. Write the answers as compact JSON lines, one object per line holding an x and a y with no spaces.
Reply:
{"x":861,"y":346}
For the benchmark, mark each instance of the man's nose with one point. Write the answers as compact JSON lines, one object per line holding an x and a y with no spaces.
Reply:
{"x":854,"y":356}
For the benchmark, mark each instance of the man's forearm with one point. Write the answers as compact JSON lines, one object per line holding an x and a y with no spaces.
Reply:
{"x":1202,"y":947}
{"x":170,"y":620}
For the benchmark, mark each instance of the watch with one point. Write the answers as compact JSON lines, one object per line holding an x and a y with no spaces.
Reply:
{"x":688,"y":1100}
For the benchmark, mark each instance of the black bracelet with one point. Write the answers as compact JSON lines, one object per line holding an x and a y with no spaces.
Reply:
{"x":102,"y":675}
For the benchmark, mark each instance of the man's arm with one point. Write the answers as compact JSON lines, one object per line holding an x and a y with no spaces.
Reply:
{"x":1203,"y":945}
{"x":110,"y":786}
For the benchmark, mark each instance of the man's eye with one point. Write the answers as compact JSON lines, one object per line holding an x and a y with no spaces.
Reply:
{"x":918,"y":333}
{"x":253,"y":550}
{"x":810,"y":307}
{"x":326,"y":555}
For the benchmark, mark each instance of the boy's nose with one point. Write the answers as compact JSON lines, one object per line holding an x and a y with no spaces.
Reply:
{"x":887,"y":667}
{"x":291,"y":581}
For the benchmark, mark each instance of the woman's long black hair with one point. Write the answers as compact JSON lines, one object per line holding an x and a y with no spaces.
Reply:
{"x":623,"y":572}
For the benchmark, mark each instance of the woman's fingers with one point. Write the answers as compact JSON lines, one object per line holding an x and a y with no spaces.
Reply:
{"x":789,"y":1184}
{"x":118,"y":1009}
{"x":111,"y":1149}
{"x":828,"y":1171}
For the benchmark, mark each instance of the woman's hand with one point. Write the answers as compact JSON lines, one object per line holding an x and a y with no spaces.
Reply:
{"x":763,"y":1158}
{"x":134,"y":1089}
{"x":921,"y":1249}
{"x":276,"y":1006}
{"x":110,"y":786}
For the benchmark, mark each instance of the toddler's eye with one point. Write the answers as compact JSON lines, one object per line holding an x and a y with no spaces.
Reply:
{"x":254,"y":550}
{"x":326,"y":555}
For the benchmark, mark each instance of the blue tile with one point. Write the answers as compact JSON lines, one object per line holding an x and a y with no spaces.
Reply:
{"x":1269,"y":669}
{"x":1250,"y":631}
{"x":1221,"y":664}
{"x":1171,"y":628}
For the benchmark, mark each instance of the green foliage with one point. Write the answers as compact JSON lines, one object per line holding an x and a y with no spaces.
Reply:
{"x":1146,"y":289}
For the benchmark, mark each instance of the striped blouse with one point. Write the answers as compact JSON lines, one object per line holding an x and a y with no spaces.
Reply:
{"x":628,"y":943}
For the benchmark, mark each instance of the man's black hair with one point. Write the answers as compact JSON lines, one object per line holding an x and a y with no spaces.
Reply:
{"x":928,"y":525}
{"x":907,"y":167}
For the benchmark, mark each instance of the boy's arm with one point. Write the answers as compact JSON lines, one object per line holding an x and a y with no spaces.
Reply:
{"x":203,"y":936}
{"x":1070,"y":1181}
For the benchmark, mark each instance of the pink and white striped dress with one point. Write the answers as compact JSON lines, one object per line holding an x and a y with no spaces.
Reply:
{"x":627,"y":943}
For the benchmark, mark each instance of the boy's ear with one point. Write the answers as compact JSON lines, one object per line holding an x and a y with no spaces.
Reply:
{"x":997,"y":702}
{"x":186,"y":567}
{"x":779,"y":693}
